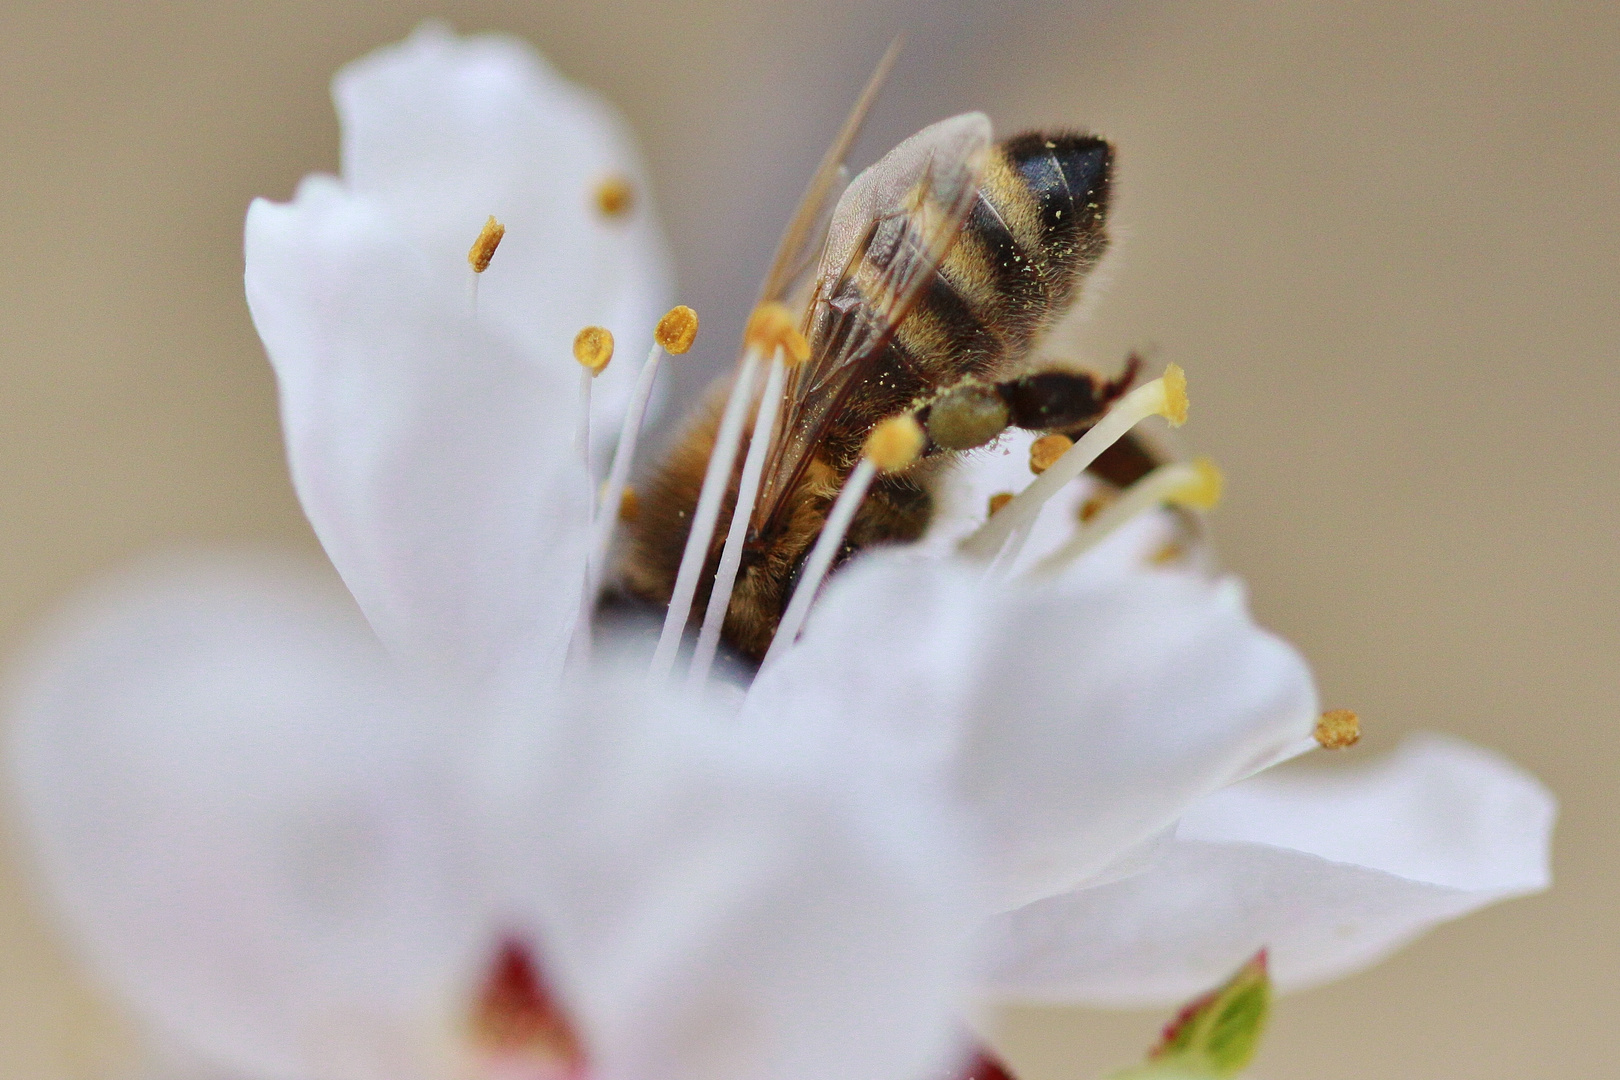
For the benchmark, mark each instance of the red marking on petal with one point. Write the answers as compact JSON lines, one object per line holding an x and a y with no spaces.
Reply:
{"x":984,"y":1065}
{"x":520,"y":1023}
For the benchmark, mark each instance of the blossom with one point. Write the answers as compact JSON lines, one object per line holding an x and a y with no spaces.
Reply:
{"x":1106,"y":727}
{"x":294,"y":864}
{"x":950,"y":787}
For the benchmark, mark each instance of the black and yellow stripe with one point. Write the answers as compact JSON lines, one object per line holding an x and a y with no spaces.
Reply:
{"x":1035,"y":229}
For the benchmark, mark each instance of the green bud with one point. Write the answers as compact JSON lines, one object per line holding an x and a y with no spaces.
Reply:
{"x":1216,"y":1036}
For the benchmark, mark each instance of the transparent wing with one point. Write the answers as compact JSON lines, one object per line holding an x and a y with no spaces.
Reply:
{"x":799,"y":250}
{"x":890,"y":230}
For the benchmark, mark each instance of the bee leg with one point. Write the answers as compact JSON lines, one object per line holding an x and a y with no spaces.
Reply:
{"x":897,"y":510}
{"x":1061,"y":400}
{"x":1069,"y":403}
{"x":1123,"y":463}
{"x":971,"y":414}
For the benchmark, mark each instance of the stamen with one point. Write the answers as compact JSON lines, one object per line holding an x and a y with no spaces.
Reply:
{"x":1168,"y":553}
{"x":725,"y":577}
{"x":483,"y":248}
{"x":1338,"y":728}
{"x":766,"y":330}
{"x":677,"y":330}
{"x":1165,"y":396}
{"x":593,"y":348}
{"x":771,"y":325}
{"x":478,"y":256}
{"x":1196,"y":485}
{"x":615,"y":196}
{"x":674,"y":335}
{"x":1000,"y":499}
{"x":892,"y":445}
{"x":1045,"y":452}
{"x":1094,"y":505}
{"x":629,"y":506}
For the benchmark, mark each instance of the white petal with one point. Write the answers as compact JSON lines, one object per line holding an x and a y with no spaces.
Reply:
{"x":1329,"y":870}
{"x":434,"y":459}
{"x":1083,"y":717}
{"x":1102,"y":712}
{"x":240,"y":822}
{"x":720,"y":902}
{"x":442,"y":132}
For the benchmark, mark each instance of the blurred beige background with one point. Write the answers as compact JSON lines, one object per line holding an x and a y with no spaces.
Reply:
{"x":1383,"y":238}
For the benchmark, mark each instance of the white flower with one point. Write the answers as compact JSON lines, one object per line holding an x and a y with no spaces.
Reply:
{"x":300,"y":855}
{"x":1093,"y":724}
{"x":431,"y":446}
{"x":296,"y":866}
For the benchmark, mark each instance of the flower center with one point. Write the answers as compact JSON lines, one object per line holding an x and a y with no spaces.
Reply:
{"x":518,"y":1029}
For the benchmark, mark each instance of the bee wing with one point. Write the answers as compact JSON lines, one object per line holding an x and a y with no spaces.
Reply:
{"x":799,"y":250}
{"x":891,"y":228}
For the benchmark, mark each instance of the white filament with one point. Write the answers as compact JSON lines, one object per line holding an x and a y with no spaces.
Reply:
{"x":624,"y":456}
{"x":716,"y":478}
{"x":985,"y":542}
{"x":1160,"y":486}
{"x":821,"y":557}
{"x":725,"y":576}
{"x":580,"y":642}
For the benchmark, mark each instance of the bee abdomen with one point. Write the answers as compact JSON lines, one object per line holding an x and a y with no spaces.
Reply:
{"x":1068,"y":177}
{"x":1035,"y":229}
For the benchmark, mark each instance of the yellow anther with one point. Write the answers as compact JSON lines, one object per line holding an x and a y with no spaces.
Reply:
{"x":1000,"y":499}
{"x":615,"y":196}
{"x":1338,"y":729}
{"x":676,"y":330}
{"x":629,"y":505}
{"x":1045,"y":451}
{"x":772,"y":326}
{"x":593,"y":348}
{"x":895,"y":443}
{"x":1095,"y":505}
{"x":1202,"y":491}
{"x":483,"y":249}
{"x":1170,"y":553}
{"x":1175,"y":396}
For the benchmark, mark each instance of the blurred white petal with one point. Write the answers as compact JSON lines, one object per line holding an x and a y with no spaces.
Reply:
{"x":443,"y":131}
{"x":433,"y":457}
{"x":724,"y":902}
{"x":296,"y":871}
{"x":1329,"y":870}
{"x":1082,"y":718}
{"x":433,"y":448}
{"x":244,"y":825}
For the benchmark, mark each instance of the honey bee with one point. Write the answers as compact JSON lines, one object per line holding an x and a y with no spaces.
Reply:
{"x":925,"y":289}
